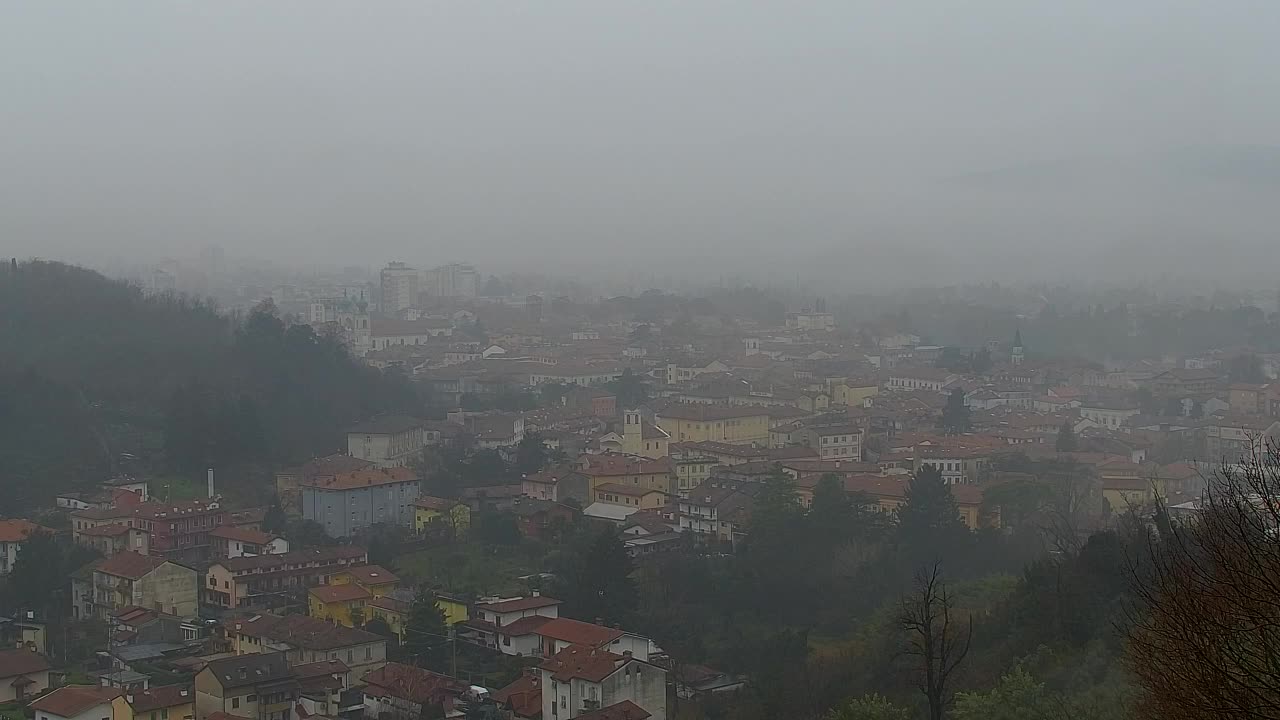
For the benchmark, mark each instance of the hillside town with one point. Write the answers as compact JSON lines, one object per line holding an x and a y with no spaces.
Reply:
{"x":483,"y":553}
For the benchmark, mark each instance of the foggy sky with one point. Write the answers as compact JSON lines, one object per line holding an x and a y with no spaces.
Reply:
{"x":838,"y":139}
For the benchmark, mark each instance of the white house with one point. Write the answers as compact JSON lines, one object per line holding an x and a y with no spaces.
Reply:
{"x":579,"y":680}
{"x":387,"y":440}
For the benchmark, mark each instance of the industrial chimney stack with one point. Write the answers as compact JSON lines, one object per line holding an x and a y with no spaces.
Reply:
{"x":210,"y":483}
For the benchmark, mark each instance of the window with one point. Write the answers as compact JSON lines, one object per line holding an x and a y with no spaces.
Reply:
{"x":350,"y":658}
{"x":251,"y":698}
{"x":368,"y":652}
{"x":235,"y":703}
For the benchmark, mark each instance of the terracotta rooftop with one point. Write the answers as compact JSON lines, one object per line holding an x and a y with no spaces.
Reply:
{"x":410,"y":683}
{"x":524,"y":696}
{"x":165,"y":696}
{"x":579,"y":633}
{"x":112,"y":530}
{"x":129,"y":565}
{"x":439,"y":504}
{"x":72,"y":700}
{"x":21,"y":662}
{"x":625,"y":710}
{"x":582,"y":662}
{"x":18,"y":530}
{"x":268,"y":563}
{"x":243,"y":535}
{"x":372,"y":575}
{"x":304,"y":632}
{"x":339,"y":593}
{"x":385,"y":425}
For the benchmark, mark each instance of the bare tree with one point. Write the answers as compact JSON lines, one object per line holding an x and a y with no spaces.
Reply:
{"x":936,"y":639}
{"x":1205,"y":630}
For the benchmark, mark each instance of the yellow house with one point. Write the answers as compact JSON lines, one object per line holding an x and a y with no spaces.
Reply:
{"x":628,"y":495}
{"x":853,"y":392}
{"x":637,"y":472}
{"x":375,"y":579}
{"x":167,"y":702}
{"x":395,"y":613}
{"x":341,"y":604}
{"x":427,"y":510}
{"x":734,"y":424}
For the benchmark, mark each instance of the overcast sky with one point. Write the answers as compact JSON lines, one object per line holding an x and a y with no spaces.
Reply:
{"x":741,"y":135}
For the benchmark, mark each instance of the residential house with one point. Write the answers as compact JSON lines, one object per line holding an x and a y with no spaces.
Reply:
{"x":839,"y":440}
{"x":1234,"y":438}
{"x":177,"y":529}
{"x":388,"y":441}
{"x":231,"y":542}
{"x":308,"y":639}
{"x":629,"y":496}
{"x":1249,"y":399}
{"x":82,"y":702}
{"x":436,"y":512}
{"x":129,"y":579}
{"x":114,"y":538}
{"x":522,"y":698}
{"x":166,"y":702}
{"x":258,"y":581}
{"x":583,"y":681}
{"x":537,"y":519}
{"x":403,"y":692}
{"x":717,"y":510}
{"x":313,"y":472}
{"x":261,"y":686}
{"x":13,"y":533}
{"x":376,"y":579}
{"x":1109,"y":413}
{"x":341,"y":604}
{"x":23,"y":674}
{"x":638,"y":472}
{"x":691,"y":470}
{"x":321,"y":688}
{"x":600,"y":403}
{"x":570,"y":374}
{"x":920,"y":378}
{"x":737,"y":425}
{"x":388,"y":332}
{"x":348,"y":503}
{"x":1182,"y":382}
{"x":508,"y":625}
{"x":391,"y":610}
{"x":889,"y":492}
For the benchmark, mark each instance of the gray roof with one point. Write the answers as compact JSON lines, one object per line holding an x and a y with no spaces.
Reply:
{"x":244,"y":670}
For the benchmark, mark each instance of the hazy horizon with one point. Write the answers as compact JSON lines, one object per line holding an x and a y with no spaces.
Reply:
{"x":837,"y":142}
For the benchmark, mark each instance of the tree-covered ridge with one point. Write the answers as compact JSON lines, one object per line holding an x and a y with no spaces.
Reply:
{"x":97,"y":377}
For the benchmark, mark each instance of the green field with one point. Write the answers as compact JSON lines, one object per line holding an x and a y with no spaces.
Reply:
{"x":468,"y":568}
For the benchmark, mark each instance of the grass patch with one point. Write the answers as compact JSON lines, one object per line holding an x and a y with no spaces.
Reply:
{"x":467,"y":568}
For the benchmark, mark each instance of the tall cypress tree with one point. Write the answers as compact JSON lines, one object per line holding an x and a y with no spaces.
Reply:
{"x":427,"y":640}
{"x":930,"y":520}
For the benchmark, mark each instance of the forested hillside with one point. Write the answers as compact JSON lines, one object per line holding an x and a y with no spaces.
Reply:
{"x":96,"y":377}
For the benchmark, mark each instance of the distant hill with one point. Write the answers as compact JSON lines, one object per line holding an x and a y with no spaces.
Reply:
{"x":96,"y":377}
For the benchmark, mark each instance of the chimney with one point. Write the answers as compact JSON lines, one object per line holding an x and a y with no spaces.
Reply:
{"x":210,"y":476}
{"x":537,"y":593}
{"x":129,"y":698}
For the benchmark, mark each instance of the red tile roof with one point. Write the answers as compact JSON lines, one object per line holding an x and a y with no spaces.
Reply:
{"x":523,"y":626}
{"x":166,"y":696}
{"x":582,"y":662}
{"x":577,"y":632}
{"x":339,"y":593}
{"x":72,"y":700}
{"x":129,"y":565}
{"x":614,"y":464}
{"x":112,"y":530}
{"x":410,"y":683}
{"x":372,"y":575}
{"x":21,"y":662}
{"x":18,"y":530}
{"x":523,"y":697}
{"x":429,"y":502}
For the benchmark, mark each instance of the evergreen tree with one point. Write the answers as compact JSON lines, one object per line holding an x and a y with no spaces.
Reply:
{"x":832,"y":517}
{"x":929,"y":520}
{"x":1067,"y":441}
{"x":598,"y":583}
{"x":955,"y":416}
{"x":981,"y":362}
{"x":274,"y":520}
{"x":427,"y":637}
